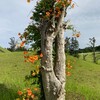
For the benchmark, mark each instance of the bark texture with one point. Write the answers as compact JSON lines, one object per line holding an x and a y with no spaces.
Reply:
{"x":53,"y":75}
{"x":60,"y":62}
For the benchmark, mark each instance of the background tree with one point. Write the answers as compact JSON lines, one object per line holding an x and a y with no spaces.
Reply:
{"x":12,"y":43}
{"x":67,"y":44}
{"x":92,"y":43}
{"x":84,"y":56}
{"x":72,"y":46}
{"x":34,"y":36}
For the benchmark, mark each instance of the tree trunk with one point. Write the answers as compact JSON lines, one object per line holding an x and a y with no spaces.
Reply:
{"x":53,"y":77}
{"x":51,"y":84}
{"x":94,"y":57}
{"x":60,"y":62}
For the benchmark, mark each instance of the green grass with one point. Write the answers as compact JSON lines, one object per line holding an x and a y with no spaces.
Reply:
{"x":3,"y":50}
{"x":83,"y":84}
{"x":89,"y":56}
{"x":13,"y":70}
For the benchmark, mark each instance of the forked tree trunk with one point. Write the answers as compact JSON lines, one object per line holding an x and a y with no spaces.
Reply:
{"x":53,"y":75}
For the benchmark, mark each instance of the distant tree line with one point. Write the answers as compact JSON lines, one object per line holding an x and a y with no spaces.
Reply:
{"x":72,"y":46}
{"x":88,"y":49}
{"x":17,"y":49}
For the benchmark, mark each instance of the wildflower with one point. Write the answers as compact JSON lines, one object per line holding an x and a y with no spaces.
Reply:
{"x":32,"y":96}
{"x":73,"y":5}
{"x":57,"y":9}
{"x":25,"y":52}
{"x":36,"y":57}
{"x":31,"y":59}
{"x":68,"y":64}
{"x":41,"y":55}
{"x":69,"y":67}
{"x":58,"y":0}
{"x":33,"y":74}
{"x":22,"y":44}
{"x":68,"y":73}
{"x":25,"y":60}
{"x":35,"y":89}
{"x":63,"y":4}
{"x":57,"y":15}
{"x":50,"y":10}
{"x":47,"y":14}
{"x":29,"y":92}
{"x":25,"y":56}
{"x":19,"y":34}
{"x":78,"y":35}
{"x":20,"y":92}
{"x":69,"y":2}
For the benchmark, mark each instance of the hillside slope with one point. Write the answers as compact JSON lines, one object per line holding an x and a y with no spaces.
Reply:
{"x":3,"y":50}
{"x":89,"y":57}
{"x":84,"y":82}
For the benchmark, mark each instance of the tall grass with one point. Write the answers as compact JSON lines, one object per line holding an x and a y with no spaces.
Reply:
{"x":84,"y":83}
{"x":3,"y":50}
{"x":89,"y":57}
{"x":13,"y":70}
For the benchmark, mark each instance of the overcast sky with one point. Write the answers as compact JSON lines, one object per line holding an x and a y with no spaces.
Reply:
{"x":15,"y":14}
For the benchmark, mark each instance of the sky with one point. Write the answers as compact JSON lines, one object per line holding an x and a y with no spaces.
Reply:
{"x":15,"y":17}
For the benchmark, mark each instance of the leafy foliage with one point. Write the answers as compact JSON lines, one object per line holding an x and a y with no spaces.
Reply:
{"x":72,"y":46}
{"x":48,"y":11}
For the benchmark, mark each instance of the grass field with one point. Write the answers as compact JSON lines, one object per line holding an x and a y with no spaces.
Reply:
{"x":83,"y":84}
{"x":3,"y":50}
{"x":13,"y":70}
{"x":89,"y":56}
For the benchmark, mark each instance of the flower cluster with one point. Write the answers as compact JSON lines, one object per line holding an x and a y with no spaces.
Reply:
{"x":33,"y":79}
{"x":23,"y":38}
{"x":59,"y":4}
{"x":31,"y":58}
{"x":53,"y":8}
{"x":76,"y":34}
{"x":27,"y":94}
{"x":68,"y":68}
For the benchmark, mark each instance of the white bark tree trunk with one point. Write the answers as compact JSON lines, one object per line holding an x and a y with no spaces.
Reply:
{"x":53,"y":77}
{"x":60,"y":62}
